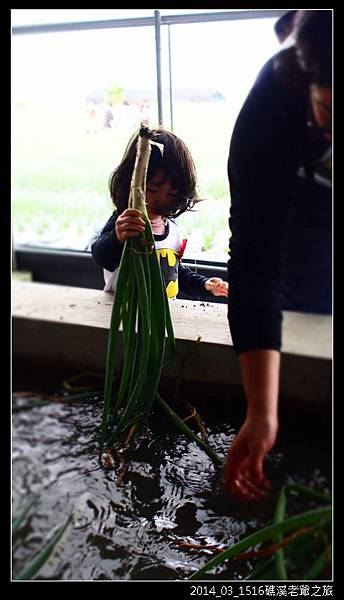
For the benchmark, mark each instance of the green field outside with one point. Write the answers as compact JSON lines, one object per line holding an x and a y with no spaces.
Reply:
{"x":60,"y":175}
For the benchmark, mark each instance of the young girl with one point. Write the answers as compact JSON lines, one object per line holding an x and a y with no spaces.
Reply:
{"x":170,"y":191}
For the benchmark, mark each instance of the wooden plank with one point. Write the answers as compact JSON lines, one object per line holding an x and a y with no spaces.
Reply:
{"x":68,"y":326}
{"x":303,"y":334}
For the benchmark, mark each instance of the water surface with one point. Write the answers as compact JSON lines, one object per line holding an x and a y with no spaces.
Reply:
{"x":132,"y":523}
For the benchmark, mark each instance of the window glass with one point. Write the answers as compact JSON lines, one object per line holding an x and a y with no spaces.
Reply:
{"x":213,"y":67}
{"x":78,"y":96}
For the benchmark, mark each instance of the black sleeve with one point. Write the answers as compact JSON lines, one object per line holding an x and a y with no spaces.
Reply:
{"x":192,"y":283}
{"x":265,"y":153}
{"x":106,"y":248}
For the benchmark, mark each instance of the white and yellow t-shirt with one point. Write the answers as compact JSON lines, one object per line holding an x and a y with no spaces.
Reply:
{"x":169,"y":247}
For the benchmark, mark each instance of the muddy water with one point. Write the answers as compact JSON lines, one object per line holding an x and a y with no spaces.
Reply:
{"x":169,"y":495}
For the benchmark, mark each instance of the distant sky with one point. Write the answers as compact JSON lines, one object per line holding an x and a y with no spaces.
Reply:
{"x":224,"y":56}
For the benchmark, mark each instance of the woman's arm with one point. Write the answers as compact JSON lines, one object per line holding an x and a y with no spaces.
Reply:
{"x":265,"y":153}
{"x":244,"y":474}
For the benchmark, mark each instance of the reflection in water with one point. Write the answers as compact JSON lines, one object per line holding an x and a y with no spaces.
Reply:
{"x":170,"y":493}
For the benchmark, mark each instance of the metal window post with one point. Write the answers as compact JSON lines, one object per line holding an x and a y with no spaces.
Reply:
{"x":170,"y":75}
{"x":158,"y":64}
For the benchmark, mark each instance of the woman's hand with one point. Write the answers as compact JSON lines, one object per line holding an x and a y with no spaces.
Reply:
{"x":129,"y":224}
{"x":244,"y":475}
{"x":217,"y":286}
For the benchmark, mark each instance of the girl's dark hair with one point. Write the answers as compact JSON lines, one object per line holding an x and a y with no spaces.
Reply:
{"x":176,"y":161}
{"x":310,"y":59}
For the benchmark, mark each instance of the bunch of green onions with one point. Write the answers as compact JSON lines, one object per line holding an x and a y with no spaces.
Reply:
{"x":141,"y":306}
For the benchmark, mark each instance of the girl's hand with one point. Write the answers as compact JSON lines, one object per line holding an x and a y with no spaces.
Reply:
{"x":217,"y":286}
{"x":129,"y":224}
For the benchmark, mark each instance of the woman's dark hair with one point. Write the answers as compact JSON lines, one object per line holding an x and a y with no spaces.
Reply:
{"x":310,"y":59}
{"x":284,"y":25}
{"x":313,"y":43}
{"x":176,"y":161}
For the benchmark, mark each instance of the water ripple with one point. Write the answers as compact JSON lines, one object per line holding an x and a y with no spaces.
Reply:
{"x":170,"y":494}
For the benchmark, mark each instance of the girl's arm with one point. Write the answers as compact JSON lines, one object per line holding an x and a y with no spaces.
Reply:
{"x":106,"y":248}
{"x":192,"y":283}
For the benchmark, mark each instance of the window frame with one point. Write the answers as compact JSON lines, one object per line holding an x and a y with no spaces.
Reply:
{"x":77,"y":268}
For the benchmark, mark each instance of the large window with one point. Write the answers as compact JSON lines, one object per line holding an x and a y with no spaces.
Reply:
{"x":212,"y":70}
{"x":79,"y":95}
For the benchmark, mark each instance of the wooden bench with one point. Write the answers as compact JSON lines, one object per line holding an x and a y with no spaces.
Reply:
{"x":62,"y":325}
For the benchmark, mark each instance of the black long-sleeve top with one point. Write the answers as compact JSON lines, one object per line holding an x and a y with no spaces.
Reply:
{"x":280,"y":220}
{"x":107,"y":251}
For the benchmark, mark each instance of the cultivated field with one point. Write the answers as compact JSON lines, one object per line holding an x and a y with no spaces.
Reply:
{"x":61,"y":162}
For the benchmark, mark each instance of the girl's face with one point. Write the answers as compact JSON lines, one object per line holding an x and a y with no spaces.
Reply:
{"x":161,"y":196}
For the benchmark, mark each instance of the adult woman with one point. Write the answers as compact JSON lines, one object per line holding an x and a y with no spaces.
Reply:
{"x":280,"y":247}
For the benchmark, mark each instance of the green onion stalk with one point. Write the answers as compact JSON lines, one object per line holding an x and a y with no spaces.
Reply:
{"x":141,"y":306}
{"x":312,"y":526}
{"x":31,"y":569}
